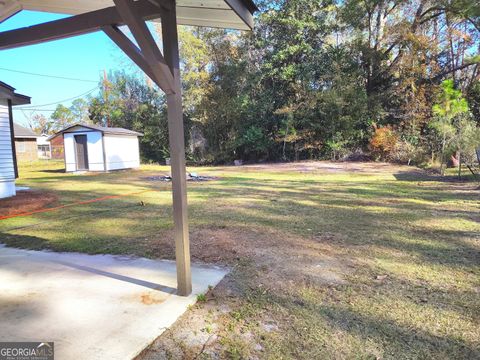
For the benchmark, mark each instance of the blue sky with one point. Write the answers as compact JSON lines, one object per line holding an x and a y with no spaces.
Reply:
{"x":83,"y":57}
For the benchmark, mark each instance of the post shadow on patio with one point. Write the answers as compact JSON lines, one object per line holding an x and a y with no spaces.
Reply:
{"x":164,"y":69}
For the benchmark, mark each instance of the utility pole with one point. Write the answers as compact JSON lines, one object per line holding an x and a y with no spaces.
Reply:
{"x":105,"y":96}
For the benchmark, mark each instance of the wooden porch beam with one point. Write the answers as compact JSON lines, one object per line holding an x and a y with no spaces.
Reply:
{"x":160,"y":67}
{"x":74,"y":25}
{"x":165,"y":4}
{"x":241,"y":10}
{"x":147,"y":44}
{"x":130,"y":49}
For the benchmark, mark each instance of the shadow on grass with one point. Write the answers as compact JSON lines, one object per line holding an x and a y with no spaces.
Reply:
{"x":419,"y":175}
{"x":24,"y":241}
{"x":405,"y":339}
{"x":54,"y":171}
{"x":292,"y":206}
{"x":396,"y":338}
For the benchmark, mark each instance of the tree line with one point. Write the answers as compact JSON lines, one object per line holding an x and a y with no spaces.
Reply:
{"x":350,"y":79}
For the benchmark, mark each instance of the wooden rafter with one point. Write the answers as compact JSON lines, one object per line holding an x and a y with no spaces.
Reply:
{"x":243,"y":12}
{"x":75,"y":25}
{"x":165,"y":4}
{"x":129,"y":48}
{"x":149,"y":49}
{"x":8,"y":8}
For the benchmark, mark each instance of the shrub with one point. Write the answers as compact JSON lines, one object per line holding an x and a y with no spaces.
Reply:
{"x":337,"y":147}
{"x":407,"y":153}
{"x":357,"y":155}
{"x":383,"y":143}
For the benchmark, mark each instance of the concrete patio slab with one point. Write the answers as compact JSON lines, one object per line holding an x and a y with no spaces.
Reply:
{"x":92,"y":307}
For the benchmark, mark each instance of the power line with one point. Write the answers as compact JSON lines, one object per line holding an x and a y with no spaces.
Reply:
{"x":48,"y":76}
{"x":33,"y":107}
{"x":47,"y":110}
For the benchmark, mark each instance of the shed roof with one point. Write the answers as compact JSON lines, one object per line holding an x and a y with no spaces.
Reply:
{"x":103,"y":129}
{"x":21,"y":132}
{"x":8,"y":92}
{"x":234,"y":14}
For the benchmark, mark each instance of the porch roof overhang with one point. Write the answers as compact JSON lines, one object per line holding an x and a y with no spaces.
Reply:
{"x":8,"y":92}
{"x":161,"y":65}
{"x":232,"y":14}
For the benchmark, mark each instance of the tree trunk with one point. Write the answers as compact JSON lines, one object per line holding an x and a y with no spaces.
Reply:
{"x":452,"y":51}
{"x":285,"y":144}
{"x":459,"y":164}
{"x":442,"y":157}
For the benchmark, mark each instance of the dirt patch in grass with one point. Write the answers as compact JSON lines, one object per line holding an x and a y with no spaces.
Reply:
{"x":262,"y":263}
{"x":26,"y":201}
{"x":309,"y":260}
{"x":328,"y":167}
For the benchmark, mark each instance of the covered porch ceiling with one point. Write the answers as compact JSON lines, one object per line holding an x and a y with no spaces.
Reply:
{"x":231,"y":14}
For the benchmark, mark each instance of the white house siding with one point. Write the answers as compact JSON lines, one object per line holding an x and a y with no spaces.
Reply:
{"x":121,"y":152}
{"x":94,"y":148}
{"x":43,"y":147}
{"x":7,"y":170}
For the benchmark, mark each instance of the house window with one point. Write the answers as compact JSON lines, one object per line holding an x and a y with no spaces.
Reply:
{"x":43,"y":150}
{"x":20,"y":146}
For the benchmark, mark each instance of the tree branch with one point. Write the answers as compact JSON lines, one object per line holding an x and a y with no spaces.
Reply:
{"x":475,"y":25}
{"x":430,"y":18}
{"x":433,"y":8}
{"x":449,"y":71}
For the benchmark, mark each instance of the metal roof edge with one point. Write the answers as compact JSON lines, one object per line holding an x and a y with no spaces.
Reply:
{"x":96,"y":128}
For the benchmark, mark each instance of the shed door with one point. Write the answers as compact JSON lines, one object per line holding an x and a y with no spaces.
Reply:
{"x":81,"y":152}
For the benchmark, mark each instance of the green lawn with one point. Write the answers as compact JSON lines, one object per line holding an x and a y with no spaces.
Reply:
{"x":366,"y":262}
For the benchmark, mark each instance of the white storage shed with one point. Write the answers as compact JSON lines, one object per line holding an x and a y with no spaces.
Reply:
{"x":96,"y":148}
{"x":8,"y":161}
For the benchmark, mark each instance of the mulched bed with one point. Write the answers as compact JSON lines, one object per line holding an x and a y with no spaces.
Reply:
{"x":26,"y":201}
